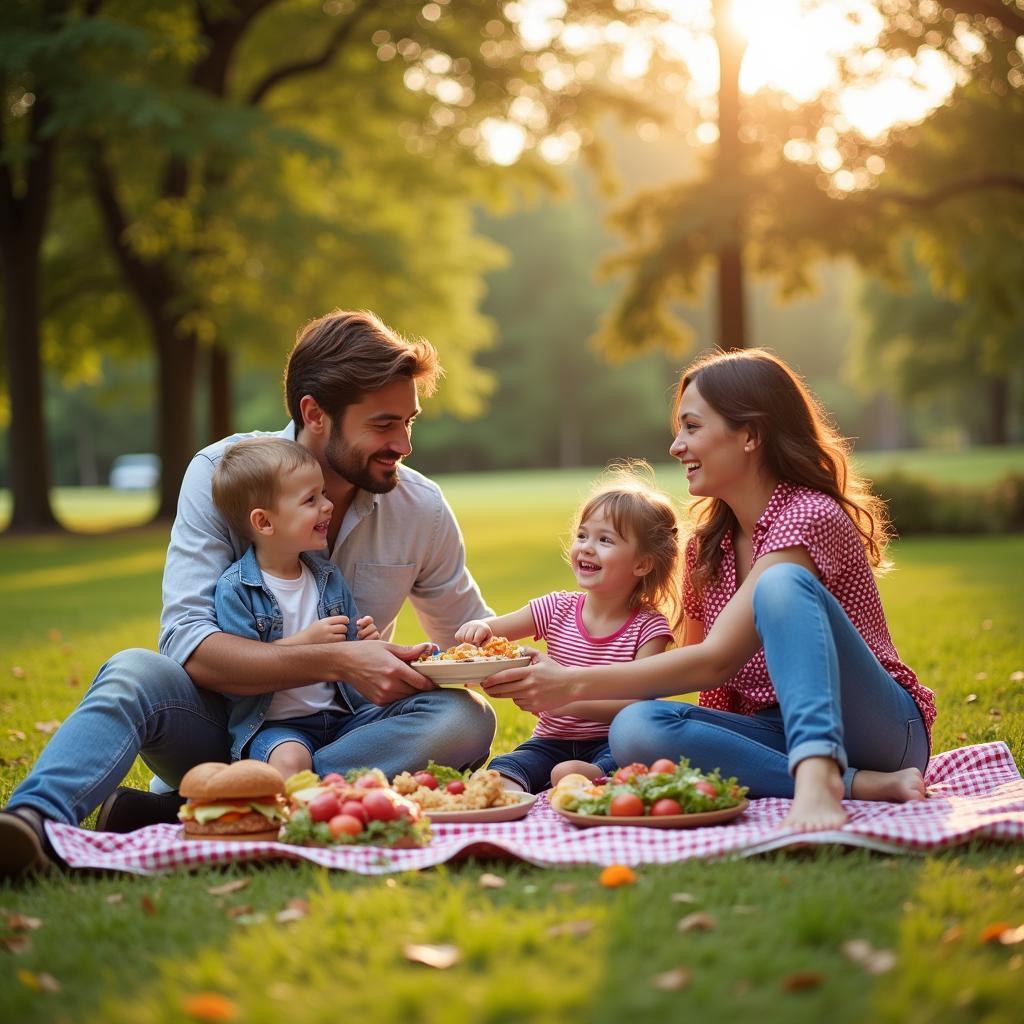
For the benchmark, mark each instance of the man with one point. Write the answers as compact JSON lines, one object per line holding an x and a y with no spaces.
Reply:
{"x":352,"y":389}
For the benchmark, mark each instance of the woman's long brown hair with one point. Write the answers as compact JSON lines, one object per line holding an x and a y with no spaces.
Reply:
{"x":754,"y":388}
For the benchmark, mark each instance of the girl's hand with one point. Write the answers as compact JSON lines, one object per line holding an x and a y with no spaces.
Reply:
{"x":366,"y":629}
{"x":323,"y":631}
{"x":540,"y":686}
{"x":476,"y":631}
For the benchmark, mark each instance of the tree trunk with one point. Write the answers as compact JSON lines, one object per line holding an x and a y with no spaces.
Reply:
{"x":220,"y":393}
{"x":732,"y":329}
{"x":29,"y":458}
{"x":176,"y":375}
{"x":998,"y":431}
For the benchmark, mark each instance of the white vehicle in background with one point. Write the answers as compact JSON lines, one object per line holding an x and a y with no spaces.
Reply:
{"x":140,"y":472}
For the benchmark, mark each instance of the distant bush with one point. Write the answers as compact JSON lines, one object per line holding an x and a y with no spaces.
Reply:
{"x":917,"y":505}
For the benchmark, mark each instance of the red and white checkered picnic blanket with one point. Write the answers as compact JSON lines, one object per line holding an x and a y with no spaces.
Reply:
{"x":974,"y":792}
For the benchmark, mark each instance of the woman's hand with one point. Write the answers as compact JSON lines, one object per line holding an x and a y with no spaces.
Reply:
{"x":539,"y":686}
{"x":476,"y":631}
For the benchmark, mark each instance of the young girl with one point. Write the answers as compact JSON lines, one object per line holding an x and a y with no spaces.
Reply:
{"x":624,"y":556}
{"x":802,"y":693}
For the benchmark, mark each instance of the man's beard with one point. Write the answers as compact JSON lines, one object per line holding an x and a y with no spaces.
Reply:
{"x":354,"y":466}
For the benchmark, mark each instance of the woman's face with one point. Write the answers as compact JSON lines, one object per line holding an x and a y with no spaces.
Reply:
{"x":714,"y":455}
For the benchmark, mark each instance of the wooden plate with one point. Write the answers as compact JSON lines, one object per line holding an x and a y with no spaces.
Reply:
{"x":463,"y":673}
{"x":699,"y":820}
{"x":507,"y":812}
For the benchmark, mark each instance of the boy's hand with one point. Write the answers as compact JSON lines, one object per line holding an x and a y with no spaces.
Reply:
{"x":323,"y":631}
{"x":476,"y":631}
{"x":367,"y":629}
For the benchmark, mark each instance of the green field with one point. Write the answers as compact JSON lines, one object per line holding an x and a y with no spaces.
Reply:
{"x":548,"y":945}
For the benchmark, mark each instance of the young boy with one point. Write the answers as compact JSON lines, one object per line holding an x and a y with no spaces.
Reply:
{"x":272,"y":491}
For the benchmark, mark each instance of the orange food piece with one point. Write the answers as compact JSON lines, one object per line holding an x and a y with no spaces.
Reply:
{"x":210,"y":1006}
{"x":617,"y":874}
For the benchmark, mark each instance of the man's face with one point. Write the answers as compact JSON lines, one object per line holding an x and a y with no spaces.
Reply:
{"x":372,"y":437}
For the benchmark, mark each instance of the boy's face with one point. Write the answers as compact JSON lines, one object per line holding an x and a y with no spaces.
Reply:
{"x":301,"y":515}
{"x":372,"y":437}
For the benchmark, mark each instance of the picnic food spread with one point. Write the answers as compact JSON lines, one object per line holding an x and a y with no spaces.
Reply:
{"x":440,"y":788}
{"x":240,"y":801}
{"x":357,"y":808}
{"x":498,"y":648}
{"x":664,"y":789}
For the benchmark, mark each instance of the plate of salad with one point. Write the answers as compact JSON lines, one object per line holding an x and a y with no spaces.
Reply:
{"x":448,"y":796}
{"x":662,"y":795}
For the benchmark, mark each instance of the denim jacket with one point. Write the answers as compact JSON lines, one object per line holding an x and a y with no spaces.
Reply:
{"x":246,"y":607}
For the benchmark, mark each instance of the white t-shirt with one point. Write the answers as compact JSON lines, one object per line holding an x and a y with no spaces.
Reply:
{"x":297,"y":600}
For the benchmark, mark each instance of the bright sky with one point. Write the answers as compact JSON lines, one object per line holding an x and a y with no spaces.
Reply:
{"x":794,"y":47}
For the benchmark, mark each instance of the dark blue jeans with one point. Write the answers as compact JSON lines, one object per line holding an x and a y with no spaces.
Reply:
{"x":835,"y":700}
{"x":531,"y":762}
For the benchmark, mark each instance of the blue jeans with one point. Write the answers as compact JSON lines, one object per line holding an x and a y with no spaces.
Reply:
{"x":835,"y":700}
{"x":531,"y":762}
{"x":142,"y":703}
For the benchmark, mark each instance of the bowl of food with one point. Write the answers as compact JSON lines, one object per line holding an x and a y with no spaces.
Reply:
{"x":467,"y":664}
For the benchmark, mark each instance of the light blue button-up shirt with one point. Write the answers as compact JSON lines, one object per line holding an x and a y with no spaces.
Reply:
{"x":403,"y":544}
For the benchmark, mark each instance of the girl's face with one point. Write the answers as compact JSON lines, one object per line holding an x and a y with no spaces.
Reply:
{"x":603,"y":561}
{"x":714,"y":455}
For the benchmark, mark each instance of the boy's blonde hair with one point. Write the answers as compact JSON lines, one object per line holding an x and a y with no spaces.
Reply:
{"x":249,"y":476}
{"x":646,"y":516}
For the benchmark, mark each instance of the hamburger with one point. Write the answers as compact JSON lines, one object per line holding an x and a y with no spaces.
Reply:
{"x":240,"y":801}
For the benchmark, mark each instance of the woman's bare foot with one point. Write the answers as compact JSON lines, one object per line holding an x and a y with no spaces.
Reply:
{"x":894,"y":787}
{"x":818,"y":795}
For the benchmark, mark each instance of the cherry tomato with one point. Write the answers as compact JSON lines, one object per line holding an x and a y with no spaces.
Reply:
{"x":344,"y":825}
{"x":355,"y":809}
{"x":324,"y":807}
{"x":629,"y":771}
{"x":705,"y":789}
{"x":425,"y":779}
{"x":663,"y":766}
{"x":599,"y":781}
{"x":332,"y":779}
{"x":369,"y":781}
{"x":626,"y":805}
{"x":455,"y":787}
{"x":379,"y":807}
{"x":666,"y":805}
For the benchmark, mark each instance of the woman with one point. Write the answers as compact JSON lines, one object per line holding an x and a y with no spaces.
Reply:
{"x":802,"y":693}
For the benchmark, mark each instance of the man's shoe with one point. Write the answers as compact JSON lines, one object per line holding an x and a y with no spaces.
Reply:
{"x":127,"y":809}
{"x":23,"y":844}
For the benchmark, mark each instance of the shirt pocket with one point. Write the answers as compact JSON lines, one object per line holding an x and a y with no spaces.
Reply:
{"x":380,"y":589}
{"x":269,"y":627}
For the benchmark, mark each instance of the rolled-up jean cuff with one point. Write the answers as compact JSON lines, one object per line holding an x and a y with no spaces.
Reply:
{"x":817,"y":748}
{"x":510,"y":770}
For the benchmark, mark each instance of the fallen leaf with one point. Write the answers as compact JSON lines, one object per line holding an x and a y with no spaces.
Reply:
{"x":16,"y":735}
{"x":879,"y":961}
{"x":229,"y":887}
{"x":672,"y":981}
{"x":1015,"y":962}
{"x":296,"y":910}
{"x":22,"y":922}
{"x":440,"y":957}
{"x":683,"y":897}
{"x":39,"y":982}
{"x":1016,"y":677}
{"x":53,"y":635}
{"x":239,"y":911}
{"x":952,"y":934}
{"x":961,"y":737}
{"x":281,"y":991}
{"x":802,"y":981}
{"x":49,"y":726}
{"x":971,"y":698}
{"x":856,"y":950}
{"x":995,"y":713}
{"x":210,"y":1006}
{"x":1012,"y":936}
{"x":696,"y":922}
{"x":489,"y":881}
{"x":148,"y":905}
{"x":571,"y":929}
{"x":986,"y":623}
{"x":74,"y":680}
{"x":1019,"y":870}
{"x":615,"y":875}
{"x":994,"y":931}
{"x":18,"y":672}
{"x":115,"y":897}
{"x":15,"y":944}
{"x":979,"y":676}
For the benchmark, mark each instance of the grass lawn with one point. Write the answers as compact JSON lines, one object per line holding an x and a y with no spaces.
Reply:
{"x":548,"y":945}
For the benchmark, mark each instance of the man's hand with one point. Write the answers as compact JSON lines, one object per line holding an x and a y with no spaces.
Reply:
{"x":324,"y":631}
{"x":476,"y":631}
{"x":367,"y":629}
{"x":381,"y":673}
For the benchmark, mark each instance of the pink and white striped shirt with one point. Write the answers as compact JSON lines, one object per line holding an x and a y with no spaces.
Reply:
{"x":558,"y":619}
